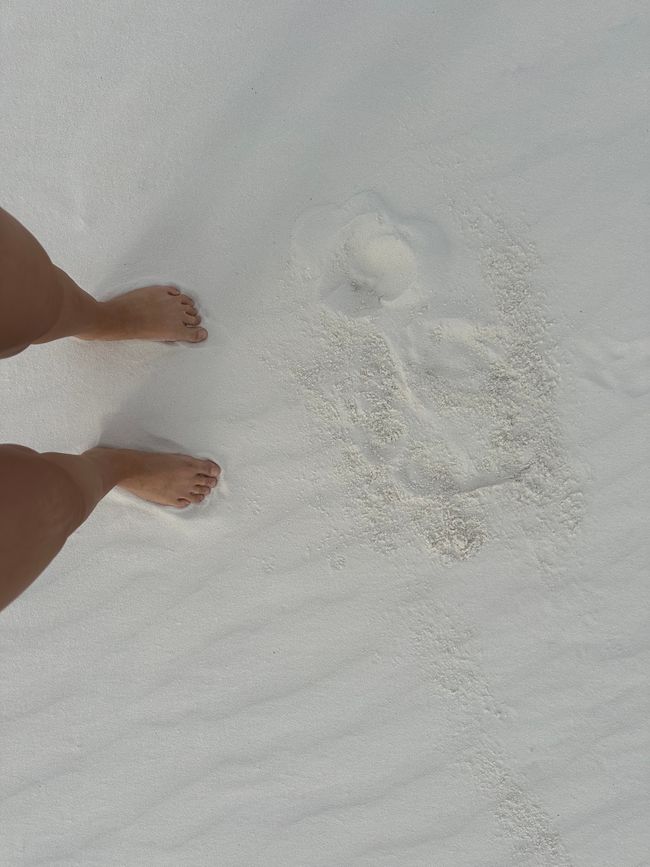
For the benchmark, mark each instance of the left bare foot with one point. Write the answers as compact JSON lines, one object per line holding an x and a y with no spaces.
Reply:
{"x":149,"y":313}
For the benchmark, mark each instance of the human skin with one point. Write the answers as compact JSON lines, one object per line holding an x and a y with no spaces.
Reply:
{"x":45,"y":497}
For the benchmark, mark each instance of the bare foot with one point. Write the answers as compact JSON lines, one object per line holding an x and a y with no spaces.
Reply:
{"x":148,"y":313}
{"x":167,"y":479}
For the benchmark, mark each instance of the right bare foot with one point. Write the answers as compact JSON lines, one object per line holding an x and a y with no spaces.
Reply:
{"x":168,"y":479}
{"x":148,"y":313}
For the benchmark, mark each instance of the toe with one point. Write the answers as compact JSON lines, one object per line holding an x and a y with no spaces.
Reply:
{"x":190,"y":319}
{"x":210,"y":481}
{"x":184,"y":299}
{"x":210,"y":468}
{"x":201,"y":489}
{"x":181,"y":503}
{"x":173,"y":290}
{"x":196,"y":498}
{"x":196,"y":335}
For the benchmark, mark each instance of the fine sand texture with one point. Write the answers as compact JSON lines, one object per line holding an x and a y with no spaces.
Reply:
{"x":410,"y":628}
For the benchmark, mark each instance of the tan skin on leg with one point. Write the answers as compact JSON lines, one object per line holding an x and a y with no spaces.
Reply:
{"x":148,"y":313}
{"x":52,"y":306}
{"x":26,"y":277}
{"x":50,"y":495}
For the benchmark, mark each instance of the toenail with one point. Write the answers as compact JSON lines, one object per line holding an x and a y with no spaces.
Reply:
{"x":212,"y":469}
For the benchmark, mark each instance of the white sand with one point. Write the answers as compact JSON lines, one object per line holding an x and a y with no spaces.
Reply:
{"x":411,"y":628}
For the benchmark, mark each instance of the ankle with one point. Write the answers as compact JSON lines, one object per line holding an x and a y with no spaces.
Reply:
{"x":79,"y":313}
{"x":115,"y":465}
{"x":105,"y":320}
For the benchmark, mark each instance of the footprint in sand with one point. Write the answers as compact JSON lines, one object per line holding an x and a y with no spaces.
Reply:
{"x":376,"y":267}
{"x":364,"y":259}
{"x":446,"y":414}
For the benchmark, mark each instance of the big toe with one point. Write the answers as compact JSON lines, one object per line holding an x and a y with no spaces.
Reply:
{"x":208,"y":468}
{"x":190,"y":333}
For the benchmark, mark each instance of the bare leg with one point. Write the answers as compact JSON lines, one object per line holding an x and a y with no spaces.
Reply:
{"x":46,"y":497}
{"x":30,"y":298}
{"x":40,"y":302}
